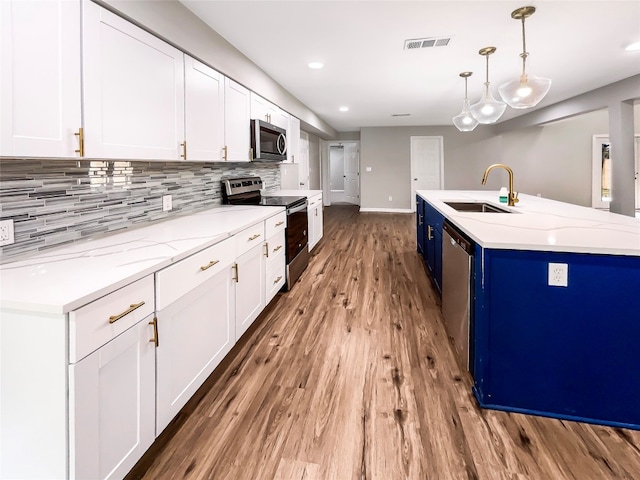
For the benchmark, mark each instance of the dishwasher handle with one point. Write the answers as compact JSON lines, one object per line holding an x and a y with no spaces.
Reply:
{"x":459,"y":238}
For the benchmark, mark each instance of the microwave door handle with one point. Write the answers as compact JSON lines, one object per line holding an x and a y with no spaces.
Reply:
{"x":282,"y":141}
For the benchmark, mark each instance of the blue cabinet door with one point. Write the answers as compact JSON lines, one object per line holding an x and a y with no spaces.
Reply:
{"x":420,"y":225}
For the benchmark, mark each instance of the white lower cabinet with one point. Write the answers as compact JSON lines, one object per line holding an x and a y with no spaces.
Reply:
{"x":196,"y":329}
{"x":111,"y":405}
{"x":315,"y":220}
{"x":250,"y":291}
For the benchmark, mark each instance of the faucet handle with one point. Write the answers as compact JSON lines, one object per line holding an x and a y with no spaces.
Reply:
{"x":515,"y":197}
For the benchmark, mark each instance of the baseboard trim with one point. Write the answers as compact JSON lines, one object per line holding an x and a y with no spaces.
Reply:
{"x":386,"y":210}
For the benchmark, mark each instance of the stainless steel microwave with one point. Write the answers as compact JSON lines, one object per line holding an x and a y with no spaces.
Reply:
{"x":268,"y":142}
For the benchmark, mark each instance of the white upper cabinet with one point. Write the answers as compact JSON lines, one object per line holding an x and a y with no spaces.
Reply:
{"x":204,"y":111}
{"x":263,"y":109}
{"x":293,"y":140}
{"x":133,"y":85}
{"x":237,"y":116}
{"x":39,"y":78}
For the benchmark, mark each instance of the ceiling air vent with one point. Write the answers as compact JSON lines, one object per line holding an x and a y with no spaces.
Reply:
{"x":415,"y":43}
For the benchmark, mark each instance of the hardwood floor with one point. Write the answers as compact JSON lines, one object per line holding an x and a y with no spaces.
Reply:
{"x":350,"y":376}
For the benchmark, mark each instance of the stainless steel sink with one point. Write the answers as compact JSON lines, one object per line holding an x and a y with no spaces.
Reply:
{"x":476,"y":207}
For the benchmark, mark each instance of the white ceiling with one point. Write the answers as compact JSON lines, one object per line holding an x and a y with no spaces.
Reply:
{"x":578,"y":44}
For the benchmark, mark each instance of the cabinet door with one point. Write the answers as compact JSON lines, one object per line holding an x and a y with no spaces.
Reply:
{"x":437,"y":259}
{"x":250,"y":288}
{"x":420,"y":225}
{"x":318,"y":222}
{"x":204,"y":111}
{"x":39,"y":78}
{"x":133,"y":90}
{"x":111,"y":405}
{"x":194,"y":333}
{"x":237,"y":116}
{"x":293,"y":140}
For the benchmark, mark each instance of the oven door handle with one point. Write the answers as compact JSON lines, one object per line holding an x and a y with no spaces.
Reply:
{"x":297,"y":209}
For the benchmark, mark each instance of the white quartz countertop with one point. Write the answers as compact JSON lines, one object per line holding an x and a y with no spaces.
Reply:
{"x":62,"y":279}
{"x":303,"y":193}
{"x":540,"y":224}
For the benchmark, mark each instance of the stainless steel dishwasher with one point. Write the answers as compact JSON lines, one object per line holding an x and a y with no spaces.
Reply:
{"x":457,"y":256}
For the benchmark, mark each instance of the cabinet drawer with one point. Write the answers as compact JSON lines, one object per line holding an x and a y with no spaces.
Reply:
{"x":275,"y":224}
{"x":176,"y":280}
{"x":98,"y":322}
{"x":249,"y":237}
{"x":275,"y":245}
{"x":276,"y":276}
{"x":314,"y":201}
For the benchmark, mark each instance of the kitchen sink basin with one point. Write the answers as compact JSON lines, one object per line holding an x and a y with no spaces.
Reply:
{"x":476,"y":207}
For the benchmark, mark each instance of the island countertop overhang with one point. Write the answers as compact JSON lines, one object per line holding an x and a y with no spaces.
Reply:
{"x":539,"y":224}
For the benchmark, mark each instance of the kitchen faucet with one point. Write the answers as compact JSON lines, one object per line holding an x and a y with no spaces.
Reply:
{"x":513,"y":197}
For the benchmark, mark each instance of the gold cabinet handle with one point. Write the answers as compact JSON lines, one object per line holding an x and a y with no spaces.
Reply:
{"x":253,"y":237}
{"x":184,"y":150}
{"x":266,"y":250}
{"x":278,"y":279}
{"x":277,"y":248}
{"x":224,"y":153}
{"x":279,"y":223}
{"x":209,"y":265}
{"x":80,"y":135}
{"x":155,"y":339}
{"x":235,"y":267}
{"x":251,"y":154}
{"x":429,"y":232}
{"x":132,"y":307}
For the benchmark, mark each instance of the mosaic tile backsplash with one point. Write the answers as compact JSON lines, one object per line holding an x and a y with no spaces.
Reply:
{"x":53,"y":202}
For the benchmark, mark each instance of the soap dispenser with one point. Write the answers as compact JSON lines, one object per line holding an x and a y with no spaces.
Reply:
{"x":504,"y":195}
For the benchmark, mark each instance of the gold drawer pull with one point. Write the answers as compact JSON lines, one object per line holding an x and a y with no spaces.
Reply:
{"x":209,"y":265}
{"x":155,"y":339}
{"x":132,"y":307}
{"x":80,"y":136}
{"x":253,"y":237}
{"x":237,"y":277}
{"x":278,"y":279}
{"x":277,"y":248}
{"x":279,"y":223}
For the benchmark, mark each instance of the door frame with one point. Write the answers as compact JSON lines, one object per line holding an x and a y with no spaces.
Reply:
{"x":325,"y":169}
{"x":411,"y":162}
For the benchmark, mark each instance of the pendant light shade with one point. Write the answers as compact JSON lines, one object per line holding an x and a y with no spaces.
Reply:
{"x":464,"y":121}
{"x":488,"y":109}
{"x":528,"y":90}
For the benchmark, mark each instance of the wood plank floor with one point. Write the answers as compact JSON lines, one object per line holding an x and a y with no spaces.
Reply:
{"x":350,"y":376}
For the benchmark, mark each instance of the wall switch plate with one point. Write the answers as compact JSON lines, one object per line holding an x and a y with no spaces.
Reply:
{"x":7,"y":236}
{"x":390,"y":198}
{"x":167,"y":203}
{"x":558,"y":274}
{"x":368,"y":169}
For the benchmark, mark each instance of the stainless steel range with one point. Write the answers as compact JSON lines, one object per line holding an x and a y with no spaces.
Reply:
{"x":247,"y":191}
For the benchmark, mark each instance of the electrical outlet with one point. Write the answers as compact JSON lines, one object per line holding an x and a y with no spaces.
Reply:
{"x":167,"y":203}
{"x":390,"y":198}
{"x":7,"y":236}
{"x":558,"y":274}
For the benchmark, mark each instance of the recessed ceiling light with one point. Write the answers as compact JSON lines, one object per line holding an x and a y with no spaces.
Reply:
{"x":316,"y":65}
{"x":344,"y":109}
{"x":633,"y":46}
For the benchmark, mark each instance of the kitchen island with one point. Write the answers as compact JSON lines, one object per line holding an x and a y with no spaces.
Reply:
{"x":561,"y":351}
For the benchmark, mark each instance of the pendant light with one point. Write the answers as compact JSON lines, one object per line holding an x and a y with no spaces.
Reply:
{"x":528,"y":90}
{"x":464,"y":121}
{"x":488,"y":109}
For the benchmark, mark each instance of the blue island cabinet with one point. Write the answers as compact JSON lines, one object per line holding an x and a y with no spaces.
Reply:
{"x":567,"y":352}
{"x":429,"y":239}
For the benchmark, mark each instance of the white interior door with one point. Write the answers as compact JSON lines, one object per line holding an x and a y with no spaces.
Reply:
{"x":426,"y":165}
{"x":352,"y":173}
